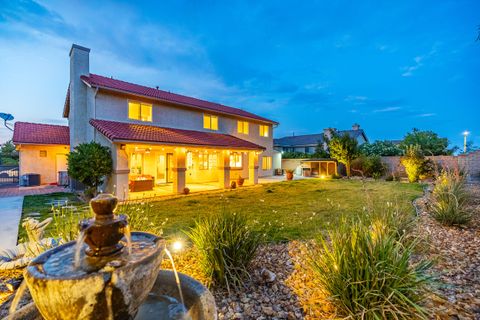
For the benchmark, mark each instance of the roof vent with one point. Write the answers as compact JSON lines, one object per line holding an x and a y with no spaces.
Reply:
{"x":156,"y":87}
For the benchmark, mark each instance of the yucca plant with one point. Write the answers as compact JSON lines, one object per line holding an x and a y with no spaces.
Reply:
{"x":227,"y":244}
{"x":449,"y":199}
{"x":366,"y":273}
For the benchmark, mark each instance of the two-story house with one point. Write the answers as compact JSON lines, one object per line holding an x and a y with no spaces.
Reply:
{"x":158,"y":140}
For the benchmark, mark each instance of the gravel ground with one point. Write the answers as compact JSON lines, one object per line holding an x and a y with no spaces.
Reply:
{"x":456,"y":253}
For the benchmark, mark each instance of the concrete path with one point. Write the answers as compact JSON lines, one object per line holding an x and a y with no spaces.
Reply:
{"x":10,"y":214}
{"x":13,"y":191}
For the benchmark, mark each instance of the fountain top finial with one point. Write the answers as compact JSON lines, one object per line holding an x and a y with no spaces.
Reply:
{"x":104,"y":205}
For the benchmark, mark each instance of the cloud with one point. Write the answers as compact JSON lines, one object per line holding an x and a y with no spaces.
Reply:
{"x":356,"y":99}
{"x":387,"y":109}
{"x":424,"y":115}
{"x":408,"y":71}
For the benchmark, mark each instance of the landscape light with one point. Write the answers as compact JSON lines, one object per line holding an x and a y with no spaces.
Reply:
{"x":322,"y":176}
{"x":177,"y":245}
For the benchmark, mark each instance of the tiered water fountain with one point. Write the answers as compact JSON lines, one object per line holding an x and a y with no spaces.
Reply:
{"x":110,"y":273}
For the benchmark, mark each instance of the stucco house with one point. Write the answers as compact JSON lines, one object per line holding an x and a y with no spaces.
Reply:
{"x":159,"y":141}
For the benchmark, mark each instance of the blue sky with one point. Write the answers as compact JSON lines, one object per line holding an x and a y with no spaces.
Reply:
{"x":388,"y":65}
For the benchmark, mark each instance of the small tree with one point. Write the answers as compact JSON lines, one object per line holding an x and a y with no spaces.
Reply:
{"x":428,"y":141}
{"x":345,"y":149}
{"x":8,"y":154}
{"x":381,"y":148}
{"x":413,"y":161}
{"x":90,"y":163}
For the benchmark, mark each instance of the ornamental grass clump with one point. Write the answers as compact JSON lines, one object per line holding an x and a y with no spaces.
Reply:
{"x":450,"y":198}
{"x":227,"y":244}
{"x":366,"y":272}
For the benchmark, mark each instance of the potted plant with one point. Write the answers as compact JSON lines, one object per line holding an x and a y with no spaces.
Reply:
{"x":233,"y":185}
{"x":289,"y":174}
{"x":240,"y":181}
{"x":186,"y":190}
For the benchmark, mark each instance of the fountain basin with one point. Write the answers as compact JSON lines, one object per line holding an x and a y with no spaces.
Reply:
{"x":199,"y":302}
{"x":108,"y":288}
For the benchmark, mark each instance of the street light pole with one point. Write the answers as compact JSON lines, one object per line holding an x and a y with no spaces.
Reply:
{"x":465,"y":134}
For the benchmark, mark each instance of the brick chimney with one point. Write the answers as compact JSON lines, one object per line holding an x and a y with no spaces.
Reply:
{"x":77,"y":118}
{"x":355,"y":126}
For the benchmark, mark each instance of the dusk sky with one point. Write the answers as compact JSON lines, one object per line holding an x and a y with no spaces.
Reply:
{"x":388,"y":65}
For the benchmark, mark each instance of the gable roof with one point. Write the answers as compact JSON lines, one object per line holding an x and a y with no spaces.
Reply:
{"x":122,"y":131}
{"x":106,"y":83}
{"x":314,"y":139}
{"x":37,"y":133}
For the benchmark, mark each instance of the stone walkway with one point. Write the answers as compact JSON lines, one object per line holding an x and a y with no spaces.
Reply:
{"x":10,"y":214}
{"x":14,"y":191}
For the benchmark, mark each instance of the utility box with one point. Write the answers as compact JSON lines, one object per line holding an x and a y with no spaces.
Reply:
{"x":30,"y":180}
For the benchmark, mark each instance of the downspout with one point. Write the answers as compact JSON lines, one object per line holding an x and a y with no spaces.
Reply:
{"x":95,"y":112}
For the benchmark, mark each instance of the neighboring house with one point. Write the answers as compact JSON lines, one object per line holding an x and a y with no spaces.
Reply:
{"x":308,"y":143}
{"x":157,"y":138}
{"x":42,"y":149}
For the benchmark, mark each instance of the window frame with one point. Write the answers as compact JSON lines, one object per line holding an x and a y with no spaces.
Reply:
{"x":264,"y":130}
{"x":203,"y":161}
{"x":269,"y":162}
{"x":237,"y":161}
{"x":210,"y":117}
{"x":140,"y":105}
{"x":242,"y":125}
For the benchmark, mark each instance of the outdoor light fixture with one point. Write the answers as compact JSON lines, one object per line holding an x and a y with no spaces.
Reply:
{"x":177,"y":246}
{"x":322,"y":176}
{"x":465,"y":134}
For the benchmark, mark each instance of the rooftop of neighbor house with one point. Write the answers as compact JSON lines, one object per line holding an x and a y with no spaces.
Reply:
{"x":116,"y":85}
{"x":37,"y":133}
{"x":126,"y":132}
{"x":316,"y":138}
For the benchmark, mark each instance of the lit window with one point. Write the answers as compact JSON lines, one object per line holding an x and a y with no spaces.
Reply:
{"x":210,"y":122}
{"x":139,"y":111}
{"x":264,"y":131}
{"x":212,"y":159}
{"x":189,"y":160}
{"x":236,"y":160}
{"x":203,"y":163}
{"x":242,"y":127}
{"x":266,"y":163}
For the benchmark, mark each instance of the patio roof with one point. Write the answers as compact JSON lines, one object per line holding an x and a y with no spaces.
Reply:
{"x":131,"y":132}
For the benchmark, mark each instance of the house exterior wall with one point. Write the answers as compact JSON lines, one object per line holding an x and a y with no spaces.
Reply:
{"x":114,"y":107}
{"x":31,"y":162}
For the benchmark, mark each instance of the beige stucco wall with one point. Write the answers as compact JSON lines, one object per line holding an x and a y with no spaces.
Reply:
{"x":108,"y":106}
{"x":31,"y":162}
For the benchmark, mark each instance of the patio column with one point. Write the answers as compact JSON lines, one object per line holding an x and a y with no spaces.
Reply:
{"x":253,"y":167}
{"x":224,"y":169}
{"x":118,"y":183}
{"x":179,"y":169}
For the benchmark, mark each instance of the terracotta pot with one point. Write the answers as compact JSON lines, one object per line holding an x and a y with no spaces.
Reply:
{"x":289,"y":176}
{"x":240,"y":182}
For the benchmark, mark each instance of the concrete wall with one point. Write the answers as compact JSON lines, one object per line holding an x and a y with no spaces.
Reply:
{"x":47,"y":167}
{"x":114,"y":107}
{"x":469,"y":162}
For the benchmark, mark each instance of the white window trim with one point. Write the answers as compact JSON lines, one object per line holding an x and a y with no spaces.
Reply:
{"x":140,"y":111}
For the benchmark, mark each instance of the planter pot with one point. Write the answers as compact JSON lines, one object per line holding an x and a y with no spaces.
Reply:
{"x":289,"y":176}
{"x":240,"y":182}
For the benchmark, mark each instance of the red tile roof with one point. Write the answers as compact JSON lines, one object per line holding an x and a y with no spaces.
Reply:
{"x":37,"y":133}
{"x":126,"y":87}
{"x":121,"y":131}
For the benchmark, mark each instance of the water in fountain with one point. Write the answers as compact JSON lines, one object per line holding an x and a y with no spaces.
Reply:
{"x":78,"y":248}
{"x":177,"y":279}
{"x":128,"y":237}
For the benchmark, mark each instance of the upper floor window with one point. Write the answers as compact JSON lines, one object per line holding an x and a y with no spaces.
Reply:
{"x":210,"y":122}
{"x":264,"y":131}
{"x":139,"y":111}
{"x":236,"y":160}
{"x":242,"y":127}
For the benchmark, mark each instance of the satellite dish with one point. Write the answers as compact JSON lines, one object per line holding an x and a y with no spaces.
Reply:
{"x":6,"y":116}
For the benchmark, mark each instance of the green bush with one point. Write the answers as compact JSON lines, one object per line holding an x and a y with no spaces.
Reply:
{"x":227,"y":244}
{"x":369,"y":166}
{"x":450,"y":198}
{"x":364,"y":268}
{"x":415,"y":163}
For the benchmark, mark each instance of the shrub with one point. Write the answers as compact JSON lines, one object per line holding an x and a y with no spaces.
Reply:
{"x":450,"y":198}
{"x":365,"y":270}
{"x":90,"y":163}
{"x":369,"y":166}
{"x":227,"y":244}
{"x":415,"y":163}
{"x":381,"y":148}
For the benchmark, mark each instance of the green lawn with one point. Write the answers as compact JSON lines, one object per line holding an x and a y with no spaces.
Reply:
{"x":302,"y":207}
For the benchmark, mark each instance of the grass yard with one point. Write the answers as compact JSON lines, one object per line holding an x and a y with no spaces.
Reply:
{"x":296,"y":209}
